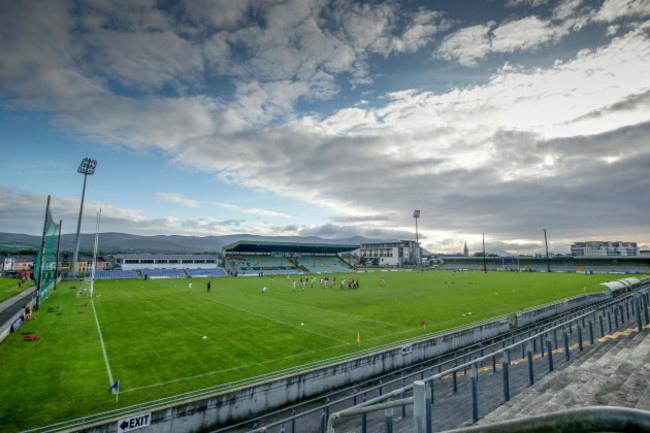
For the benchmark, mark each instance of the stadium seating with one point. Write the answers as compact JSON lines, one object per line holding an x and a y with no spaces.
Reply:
{"x":248,"y":265}
{"x":214,"y":272}
{"x":324,"y":264}
{"x":115,"y":275}
{"x":281,"y":265}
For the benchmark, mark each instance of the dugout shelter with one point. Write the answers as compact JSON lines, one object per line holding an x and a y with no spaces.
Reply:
{"x":282,"y":258}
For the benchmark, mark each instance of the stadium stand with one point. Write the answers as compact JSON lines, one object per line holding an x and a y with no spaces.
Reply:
{"x":116,"y":275}
{"x":325,"y":264}
{"x":269,"y":265}
{"x":600,"y":265}
{"x":275,"y":258}
{"x":199,"y":273}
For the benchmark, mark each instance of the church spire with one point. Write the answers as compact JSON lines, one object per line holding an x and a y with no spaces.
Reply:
{"x":465,"y":250}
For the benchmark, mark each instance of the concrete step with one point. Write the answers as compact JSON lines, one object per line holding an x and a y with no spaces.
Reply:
{"x":595,"y":351}
{"x":525,"y":399}
{"x":644,"y":400}
{"x":610,"y":384}
{"x":609,"y":373}
{"x":632,"y":390}
{"x":535,"y":396}
{"x":643,"y":347}
{"x":608,"y":357}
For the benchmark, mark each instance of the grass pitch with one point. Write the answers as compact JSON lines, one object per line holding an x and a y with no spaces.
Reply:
{"x":161,"y":339}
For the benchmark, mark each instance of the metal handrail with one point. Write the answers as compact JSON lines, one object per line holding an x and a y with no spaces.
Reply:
{"x":383,"y":396}
{"x":582,"y":420}
{"x":575,"y":314}
{"x":352,"y":411}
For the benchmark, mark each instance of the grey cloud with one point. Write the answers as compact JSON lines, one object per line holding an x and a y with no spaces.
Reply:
{"x":361,"y":218}
{"x":629,"y":104}
{"x":140,"y":46}
{"x":23,"y":212}
{"x":341,"y":231}
{"x":585,"y":195}
{"x":612,"y":10}
{"x":149,"y":60}
{"x":38,"y":65}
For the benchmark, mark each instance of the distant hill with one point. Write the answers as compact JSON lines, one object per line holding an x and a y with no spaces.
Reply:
{"x":127,"y":243}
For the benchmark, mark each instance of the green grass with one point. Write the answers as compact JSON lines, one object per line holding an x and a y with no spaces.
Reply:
{"x":153,"y":332}
{"x":9,"y":287}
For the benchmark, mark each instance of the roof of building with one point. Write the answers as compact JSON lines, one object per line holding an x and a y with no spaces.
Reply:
{"x":387,"y":244}
{"x":283,"y":247}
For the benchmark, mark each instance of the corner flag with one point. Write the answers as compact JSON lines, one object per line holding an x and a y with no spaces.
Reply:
{"x":424,"y":323}
{"x":116,"y":385}
{"x":358,"y":339}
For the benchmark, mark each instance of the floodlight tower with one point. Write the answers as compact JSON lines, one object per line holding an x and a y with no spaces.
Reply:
{"x":416,"y":215}
{"x":87,"y":168}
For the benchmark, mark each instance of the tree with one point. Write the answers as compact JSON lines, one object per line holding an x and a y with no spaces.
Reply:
{"x":363,"y":261}
{"x":375,"y":261}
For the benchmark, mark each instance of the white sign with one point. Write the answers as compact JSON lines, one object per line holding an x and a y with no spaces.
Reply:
{"x":134,"y":423}
{"x":9,"y":263}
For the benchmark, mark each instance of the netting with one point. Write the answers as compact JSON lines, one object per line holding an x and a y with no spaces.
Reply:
{"x":46,"y":263}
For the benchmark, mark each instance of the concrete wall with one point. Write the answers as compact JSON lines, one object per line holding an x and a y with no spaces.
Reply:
{"x":227,"y":407}
{"x":533,"y":316}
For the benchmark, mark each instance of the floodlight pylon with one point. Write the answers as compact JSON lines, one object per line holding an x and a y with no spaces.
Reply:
{"x":87,"y":168}
{"x":416,"y":215}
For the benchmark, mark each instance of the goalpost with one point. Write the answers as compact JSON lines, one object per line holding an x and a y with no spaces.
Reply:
{"x":88,"y":284}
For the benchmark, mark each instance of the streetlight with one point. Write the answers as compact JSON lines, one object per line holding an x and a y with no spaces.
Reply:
{"x":87,"y":167}
{"x":416,"y":215}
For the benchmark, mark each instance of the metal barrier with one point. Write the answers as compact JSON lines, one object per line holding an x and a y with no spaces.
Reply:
{"x":628,"y":308}
{"x":383,"y":386}
{"x":582,"y":420}
{"x":354,"y":393}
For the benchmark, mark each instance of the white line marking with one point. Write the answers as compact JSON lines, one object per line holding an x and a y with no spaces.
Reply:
{"x":101,"y":340}
{"x":297,"y":355}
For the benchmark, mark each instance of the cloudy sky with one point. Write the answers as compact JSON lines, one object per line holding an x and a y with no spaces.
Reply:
{"x":331,"y":118}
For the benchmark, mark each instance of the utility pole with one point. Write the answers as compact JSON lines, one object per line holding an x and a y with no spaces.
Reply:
{"x":548,"y":263}
{"x":484,"y":261}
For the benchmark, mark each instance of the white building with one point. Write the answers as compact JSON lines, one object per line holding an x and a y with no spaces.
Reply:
{"x":394,"y":253}
{"x":604,"y":249}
